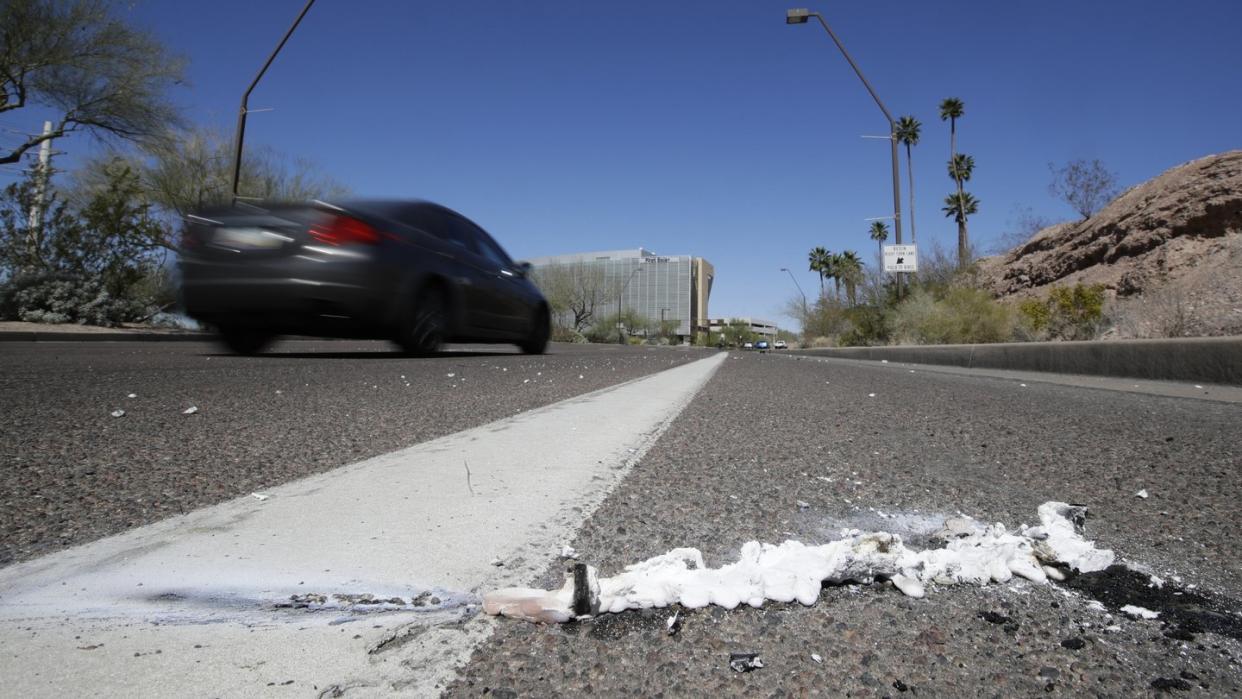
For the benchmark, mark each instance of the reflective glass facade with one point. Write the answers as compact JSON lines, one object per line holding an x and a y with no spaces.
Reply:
{"x":658,"y":287}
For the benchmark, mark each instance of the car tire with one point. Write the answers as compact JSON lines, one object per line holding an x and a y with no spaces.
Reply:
{"x":423,"y":331}
{"x":245,"y":341}
{"x":540,"y":331}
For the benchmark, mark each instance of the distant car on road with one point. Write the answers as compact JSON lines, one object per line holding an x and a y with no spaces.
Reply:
{"x":780,"y":344}
{"x":748,"y":345}
{"x":413,"y":272}
{"x":761,"y":345}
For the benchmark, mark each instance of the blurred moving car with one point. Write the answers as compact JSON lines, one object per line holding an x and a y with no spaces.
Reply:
{"x":748,"y":345}
{"x":780,"y":344}
{"x":413,"y":272}
{"x":761,"y":345}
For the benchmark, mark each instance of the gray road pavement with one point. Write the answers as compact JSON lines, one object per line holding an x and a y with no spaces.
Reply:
{"x":920,"y":446}
{"x":849,"y":440}
{"x":70,"y":472}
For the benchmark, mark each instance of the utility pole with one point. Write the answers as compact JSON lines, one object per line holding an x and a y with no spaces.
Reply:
{"x":43,"y":172}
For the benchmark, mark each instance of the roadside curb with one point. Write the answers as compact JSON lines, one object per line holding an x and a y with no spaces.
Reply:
{"x":25,"y":336}
{"x":1207,"y":360}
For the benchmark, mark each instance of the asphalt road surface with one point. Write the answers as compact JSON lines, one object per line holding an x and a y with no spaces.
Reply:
{"x":769,"y":448}
{"x":70,"y":472}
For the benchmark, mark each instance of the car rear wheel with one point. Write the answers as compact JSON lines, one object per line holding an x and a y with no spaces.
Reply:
{"x":247,"y":341}
{"x":540,"y":330}
{"x":424,"y":328}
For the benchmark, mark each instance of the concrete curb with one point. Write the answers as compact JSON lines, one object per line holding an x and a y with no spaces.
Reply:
{"x":1203,"y":360}
{"x":25,"y":336}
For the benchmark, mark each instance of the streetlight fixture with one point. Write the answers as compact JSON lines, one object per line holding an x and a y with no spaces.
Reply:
{"x":795,"y":281}
{"x":802,"y":16}
{"x":241,"y":116}
{"x":620,"y":333}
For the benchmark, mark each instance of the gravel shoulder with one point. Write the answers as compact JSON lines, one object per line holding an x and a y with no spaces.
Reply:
{"x":767,"y":432}
{"x":70,"y":472}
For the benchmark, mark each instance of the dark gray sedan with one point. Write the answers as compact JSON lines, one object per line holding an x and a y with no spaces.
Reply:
{"x":410,"y":271}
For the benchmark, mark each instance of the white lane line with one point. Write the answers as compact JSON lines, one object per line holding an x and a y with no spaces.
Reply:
{"x":185,"y":605}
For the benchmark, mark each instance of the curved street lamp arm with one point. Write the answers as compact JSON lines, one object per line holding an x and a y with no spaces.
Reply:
{"x":241,"y":116}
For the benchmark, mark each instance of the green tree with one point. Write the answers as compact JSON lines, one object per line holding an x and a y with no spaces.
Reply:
{"x":879,"y":233}
{"x":961,"y":167}
{"x":78,"y":61}
{"x":836,"y":267}
{"x":908,"y":129}
{"x":576,"y":293}
{"x":191,"y":169}
{"x":959,"y":207}
{"x":98,"y":264}
{"x":851,"y":271}
{"x":819,"y":258}
{"x":737,"y":333}
{"x":952,"y":109}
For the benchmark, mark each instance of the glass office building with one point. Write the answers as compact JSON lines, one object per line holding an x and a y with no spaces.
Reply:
{"x":658,"y":287}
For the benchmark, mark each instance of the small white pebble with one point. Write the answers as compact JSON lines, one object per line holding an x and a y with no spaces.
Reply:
{"x":132,"y":395}
{"x":817,"y":658}
{"x":259,"y":496}
{"x":190,"y":410}
{"x":1141,"y":494}
{"x":871,"y":395}
{"x":118,"y":413}
{"x":450,"y":375}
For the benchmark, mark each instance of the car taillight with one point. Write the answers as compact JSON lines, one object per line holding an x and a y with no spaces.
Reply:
{"x":344,"y":230}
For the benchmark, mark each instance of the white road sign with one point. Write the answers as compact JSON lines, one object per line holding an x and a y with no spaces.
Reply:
{"x":901,"y":258}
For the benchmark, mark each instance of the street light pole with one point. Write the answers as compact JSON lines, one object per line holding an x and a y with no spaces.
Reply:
{"x":620,"y":334}
{"x":795,"y":281}
{"x":801,"y":17}
{"x":241,"y":115}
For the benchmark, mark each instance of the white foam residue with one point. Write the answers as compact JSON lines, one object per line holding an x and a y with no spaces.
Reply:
{"x":795,"y":571}
{"x":1139,"y":612}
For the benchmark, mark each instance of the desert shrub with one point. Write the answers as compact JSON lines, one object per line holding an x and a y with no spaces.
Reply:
{"x":1076,"y":312}
{"x":1066,"y":313}
{"x":869,"y":326}
{"x":44,"y":297}
{"x":963,"y":316}
{"x":1033,"y":319}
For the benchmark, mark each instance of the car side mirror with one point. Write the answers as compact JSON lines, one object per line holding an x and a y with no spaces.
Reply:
{"x":523,"y":269}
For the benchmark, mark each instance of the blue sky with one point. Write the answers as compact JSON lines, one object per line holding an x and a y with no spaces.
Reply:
{"x":709,"y":127}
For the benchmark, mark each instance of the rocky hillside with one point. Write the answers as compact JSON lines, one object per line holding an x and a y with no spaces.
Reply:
{"x":1169,"y":251}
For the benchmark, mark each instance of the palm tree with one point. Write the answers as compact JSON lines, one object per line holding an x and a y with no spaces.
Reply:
{"x":836,"y":270}
{"x":879,"y":233}
{"x":952,"y":109}
{"x":851,"y":273}
{"x":818,"y":258}
{"x":961,"y":167}
{"x":908,"y":133}
{"x":960,"y":206}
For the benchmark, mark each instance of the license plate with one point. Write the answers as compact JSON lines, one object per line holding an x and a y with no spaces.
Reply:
{"x":248,"y":239}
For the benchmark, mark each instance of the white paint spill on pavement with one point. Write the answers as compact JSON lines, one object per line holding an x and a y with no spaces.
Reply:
{"x":420,"y":523}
